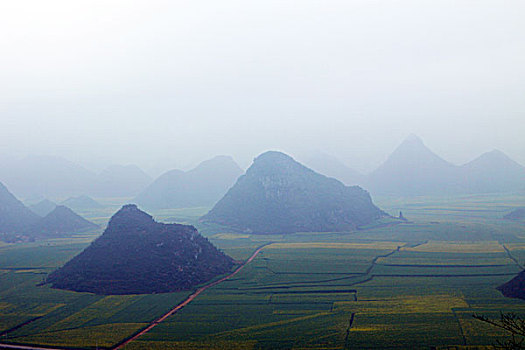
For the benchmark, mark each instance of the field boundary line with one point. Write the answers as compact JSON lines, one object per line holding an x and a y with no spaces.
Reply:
{"x":350,"y":323}
{"x":460,"y":327}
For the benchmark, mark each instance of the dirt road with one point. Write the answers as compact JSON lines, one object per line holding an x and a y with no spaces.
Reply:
{"x":188,"y":300}
{"x":158,"y":320}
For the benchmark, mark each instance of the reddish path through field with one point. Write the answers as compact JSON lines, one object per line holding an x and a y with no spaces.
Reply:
{"x":158,"y":320}
{"x":189,"y":300}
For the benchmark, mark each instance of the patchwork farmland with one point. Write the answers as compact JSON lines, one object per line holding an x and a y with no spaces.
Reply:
{"x":412,"y":285}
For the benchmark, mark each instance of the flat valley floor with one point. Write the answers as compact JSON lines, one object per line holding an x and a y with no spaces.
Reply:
{"x":412,"y":285}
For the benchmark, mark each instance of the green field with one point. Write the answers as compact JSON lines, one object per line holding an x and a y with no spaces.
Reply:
{"x":413,"y":285}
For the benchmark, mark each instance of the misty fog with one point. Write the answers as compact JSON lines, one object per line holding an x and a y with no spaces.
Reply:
{"x":165,"y":85}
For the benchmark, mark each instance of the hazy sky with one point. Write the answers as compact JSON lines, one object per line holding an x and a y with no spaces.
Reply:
{"x":170,"y":83}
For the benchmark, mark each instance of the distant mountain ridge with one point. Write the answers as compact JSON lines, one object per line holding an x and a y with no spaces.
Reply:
{"x":61,"y":221}
{"x":56,"y":177}
{"x":82,"y":203}
{"x":202,"y":186}
{"x":121,"y":181}
{"x":15,"y":217}
{"x":492,"y":172}
{"x":137,"y":255}
{"x":43,"y":207}
{"x":413,"y":169}
{"x":279,"y":195}
{"x":332,"y":167}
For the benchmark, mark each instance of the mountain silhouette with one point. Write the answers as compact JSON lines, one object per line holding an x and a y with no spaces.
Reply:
{"x":82,"y":203}
{"x":61,"y":221}
{"x":121,"y":181}
{"x":515,"y":288}
{"x":332,"y":167}
{"x":413,"y":169}
{"x":43,"y":207}
{"x":136,"y":255}
{"x":279,"y":195}
{"x":15,"y":217}
{"x":199,"y":187}
{"x":492,"y":172}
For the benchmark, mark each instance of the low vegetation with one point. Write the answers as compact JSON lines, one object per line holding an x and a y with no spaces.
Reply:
{"x":414,"y":285}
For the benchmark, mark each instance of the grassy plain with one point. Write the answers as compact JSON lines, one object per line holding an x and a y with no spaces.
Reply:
{"x":413,"y":285}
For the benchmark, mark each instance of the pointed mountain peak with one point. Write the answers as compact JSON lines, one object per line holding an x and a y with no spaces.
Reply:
{"x":217,"y":163}
{"x":274,"y":160}
{"x":61,"y":213}
{"x":81,"y":202}
{"x":273,"y":155}
{"x":62,"y":209}
{"x":496,"y":154}
{"x":61,"y":221}
{"x":277,"y":164}
{"x":43,"y":207}
{"x":412,"y":144}
{"x":221,"y":159}
{"x":414,"y":140}
{"x":413,"y":150}
{"x":279,"y":195}
{"x":130,"y":215}
{"x":201,"y":186}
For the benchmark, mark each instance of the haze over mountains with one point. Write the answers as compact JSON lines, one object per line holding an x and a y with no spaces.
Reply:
{"x":279,"y":195}
{"x":59,"y":222}
{"x":82,"y":203}
{"x":332,"y":167}
{"x":121,"y":180}
{"x":492,"y":172}
{"x":137,"y":255}
{"x":55,"y":177}
{"x":413,"y":169}
{"x":202,"y":186}
{"x":14,"y":216}
{"x":18,"y":220}
{"x":43,"y":207}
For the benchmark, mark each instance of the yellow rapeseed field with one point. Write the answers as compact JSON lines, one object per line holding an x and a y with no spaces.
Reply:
{"x":458,"y":247}
{"x":381,"y":245}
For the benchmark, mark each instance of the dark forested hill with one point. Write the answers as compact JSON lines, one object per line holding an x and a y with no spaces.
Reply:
{"x":137,"y":255}
{"x":515,"y":288}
